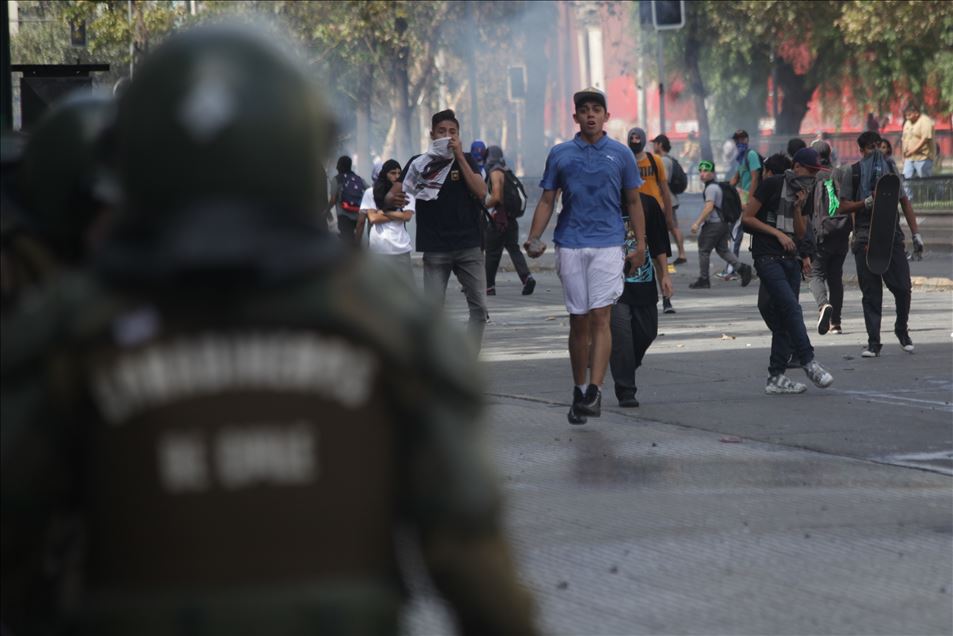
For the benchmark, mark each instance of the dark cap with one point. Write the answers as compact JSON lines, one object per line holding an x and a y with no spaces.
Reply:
{"x":590,"y":94}
{"x":808,"y":158}
{"x":739,"y":134}
{"x":663,"y":141}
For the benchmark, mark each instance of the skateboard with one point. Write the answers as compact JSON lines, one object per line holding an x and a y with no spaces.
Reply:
{"x":883,"y":223}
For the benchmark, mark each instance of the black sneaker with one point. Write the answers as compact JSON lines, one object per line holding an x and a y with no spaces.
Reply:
{"x":745,"y":271}
{"x":627,"y":399}
{"x":824,"y":319}
{"x":701,"y":283}
{"x":680,"y":260}
{"x":667,"y":306}
{"x":491,"y":291}
{"x":591,"y":403}
{"x":529,"y":285}
{"x":574,"y":416}
{"x":905,"y":341}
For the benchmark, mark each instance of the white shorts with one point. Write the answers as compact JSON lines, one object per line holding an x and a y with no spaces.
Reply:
{"x":591,"y":277}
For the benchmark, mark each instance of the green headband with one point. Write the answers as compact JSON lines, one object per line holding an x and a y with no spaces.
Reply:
{"x":706,"y":165}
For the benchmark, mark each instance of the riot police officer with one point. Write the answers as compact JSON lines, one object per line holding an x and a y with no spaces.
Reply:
{"x":218,"y":400}
{"x":54,"y":198}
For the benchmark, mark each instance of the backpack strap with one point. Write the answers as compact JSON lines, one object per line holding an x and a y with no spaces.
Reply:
{"x":654,"y":166}
{"x":855,"y":180}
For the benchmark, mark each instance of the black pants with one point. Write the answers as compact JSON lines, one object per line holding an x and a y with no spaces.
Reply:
{"x":496,"y":241}
{"x":346,"y":228}
{"x":634,"y":328}
{"x":897,"y":280}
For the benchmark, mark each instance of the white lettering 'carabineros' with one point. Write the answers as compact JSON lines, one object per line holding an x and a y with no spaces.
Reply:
{"x":169,"y":371}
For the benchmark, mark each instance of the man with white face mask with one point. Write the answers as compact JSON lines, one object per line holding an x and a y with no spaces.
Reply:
{"x":448,"y":188}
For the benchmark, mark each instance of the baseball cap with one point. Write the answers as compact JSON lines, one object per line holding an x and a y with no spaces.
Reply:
{"x":663,"y":141}
{"x":590,"y":94}
{"x":706,"y":165}
{"x":808,"y":158}
{"x":739,"y":134}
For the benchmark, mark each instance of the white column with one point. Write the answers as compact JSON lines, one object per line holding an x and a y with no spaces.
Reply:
{"x":582,"y":46}
{"x":597,"y":74}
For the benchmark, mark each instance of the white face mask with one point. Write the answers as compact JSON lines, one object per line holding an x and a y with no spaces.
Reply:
{"x":441,"y":147}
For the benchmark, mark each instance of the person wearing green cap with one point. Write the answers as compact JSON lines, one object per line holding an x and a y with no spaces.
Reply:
{"x":713,"y":231}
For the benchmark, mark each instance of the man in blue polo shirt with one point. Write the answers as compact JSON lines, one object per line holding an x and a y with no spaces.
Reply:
{"x":592,"y":171}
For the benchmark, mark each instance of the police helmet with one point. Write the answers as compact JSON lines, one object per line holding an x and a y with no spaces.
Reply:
{"x":60,"y":174}
{"x":220,"y":139}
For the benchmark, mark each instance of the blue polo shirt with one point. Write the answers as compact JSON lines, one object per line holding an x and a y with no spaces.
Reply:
{"x":592,"y":177}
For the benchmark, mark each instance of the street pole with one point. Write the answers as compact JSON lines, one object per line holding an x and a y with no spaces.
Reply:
{"x":132,"y":39}
{"x":643,"y":96}
{"x":661,"y":84}
{"x":7,"y":87}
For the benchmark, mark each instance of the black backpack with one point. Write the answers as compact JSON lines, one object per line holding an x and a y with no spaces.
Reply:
{"x":825,"y":226}
{"x":730,"y":210}
{"x":678,"y":180}
{"x":514,"y":195}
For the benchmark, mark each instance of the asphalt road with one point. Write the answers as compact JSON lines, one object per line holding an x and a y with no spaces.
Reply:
{"x":714,"y":508}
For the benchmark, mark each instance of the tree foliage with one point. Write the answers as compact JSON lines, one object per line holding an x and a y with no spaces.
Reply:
{"x":880,"y":50}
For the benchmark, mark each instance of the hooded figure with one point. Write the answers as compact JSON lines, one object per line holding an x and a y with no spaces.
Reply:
{"x":636,"y":147}
{"x":478,"y":152}
{"x":382,"y":184}
{"x":494,"y":159}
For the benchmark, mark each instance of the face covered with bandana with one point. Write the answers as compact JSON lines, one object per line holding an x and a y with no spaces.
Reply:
{"x":742,"y":145}
{"x":636,"y":139}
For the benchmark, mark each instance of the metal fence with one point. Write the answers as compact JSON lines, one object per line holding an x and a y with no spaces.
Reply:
{"x":931,"y":193}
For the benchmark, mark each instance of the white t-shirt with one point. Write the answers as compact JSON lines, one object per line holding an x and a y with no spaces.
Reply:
{"x":391,"y":237}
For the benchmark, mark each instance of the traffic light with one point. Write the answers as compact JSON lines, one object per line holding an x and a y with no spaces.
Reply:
{"x":77,"y":34}
{"x":668,"y":14}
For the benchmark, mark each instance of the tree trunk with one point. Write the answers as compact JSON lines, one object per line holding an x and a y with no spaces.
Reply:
{"x":362,"y":112}
{"x":796,"y":92}
{"x":404,"y":149}
{"x":697,"y":85}
{"x":475,"y":130}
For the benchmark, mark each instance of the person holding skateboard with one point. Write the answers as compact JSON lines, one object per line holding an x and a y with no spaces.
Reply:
{"x":776,"y":216}
{"x":893,"y":270}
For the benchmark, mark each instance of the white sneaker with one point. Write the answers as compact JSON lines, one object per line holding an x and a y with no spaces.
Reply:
{"x":905,"y":341}
{"x":783,"y":385}
{"x":818,"y":374}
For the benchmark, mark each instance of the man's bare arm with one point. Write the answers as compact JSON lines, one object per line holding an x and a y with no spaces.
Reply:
{"x":667,"y":202}
{"x":542,"y":214}
{"x":495,"y":196}
{"x":755,"y":181}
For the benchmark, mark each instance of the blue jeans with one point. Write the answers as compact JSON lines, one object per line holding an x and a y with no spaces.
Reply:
{"x":781,"y":279}
{"x":915,"y":170}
